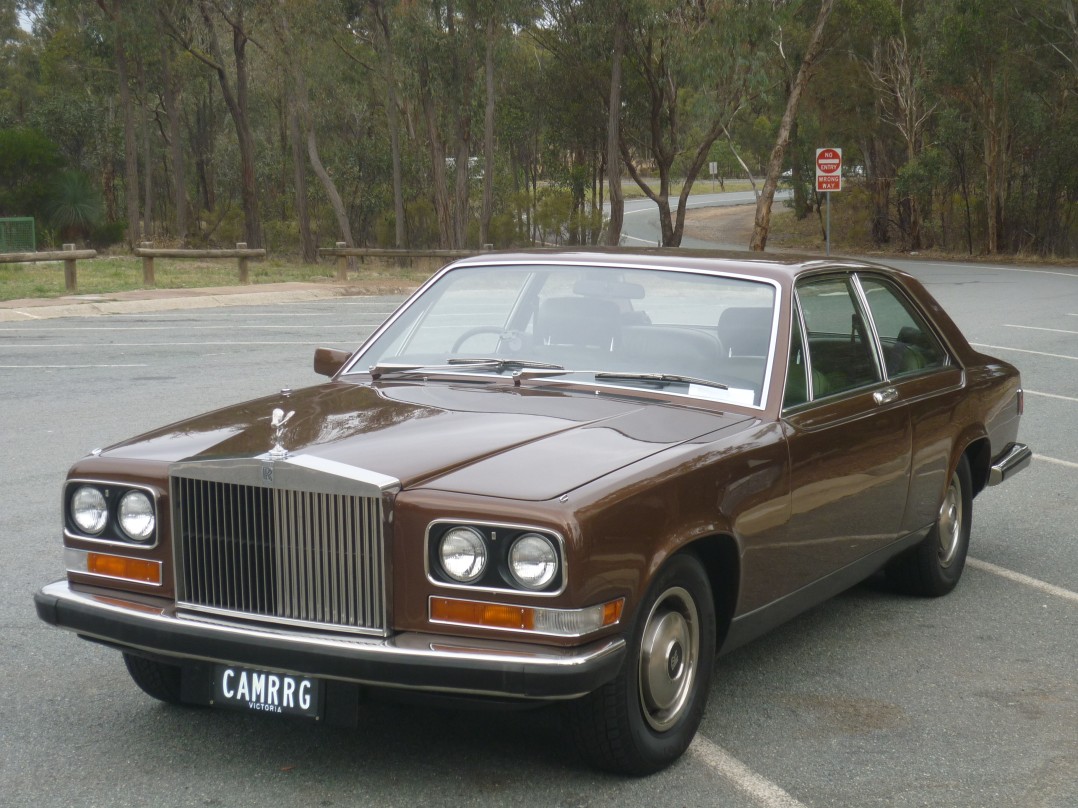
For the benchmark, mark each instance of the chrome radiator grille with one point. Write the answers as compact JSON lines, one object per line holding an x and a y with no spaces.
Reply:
{"x":280,"y":555}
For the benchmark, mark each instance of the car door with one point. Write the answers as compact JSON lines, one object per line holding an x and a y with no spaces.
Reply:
{"x":926,"y":380}
{"x":848,"y":432}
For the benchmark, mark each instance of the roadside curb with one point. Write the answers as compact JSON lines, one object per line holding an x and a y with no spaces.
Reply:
{"x":145,"y":301}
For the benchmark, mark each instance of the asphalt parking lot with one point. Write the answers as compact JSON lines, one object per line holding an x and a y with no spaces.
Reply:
{"x":869,"y":700}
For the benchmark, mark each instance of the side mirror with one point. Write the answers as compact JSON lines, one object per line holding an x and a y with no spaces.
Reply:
{"x":328,"y":361}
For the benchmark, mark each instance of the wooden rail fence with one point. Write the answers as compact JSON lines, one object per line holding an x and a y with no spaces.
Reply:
{"x":242,"y":254}
{"x":69,"y":255}
{"x":343,"y":252}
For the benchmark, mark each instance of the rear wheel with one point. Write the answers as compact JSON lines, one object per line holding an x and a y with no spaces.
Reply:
{"x":933,"y":567}
{"x":646,"y":717}
{"x":157,"y":679}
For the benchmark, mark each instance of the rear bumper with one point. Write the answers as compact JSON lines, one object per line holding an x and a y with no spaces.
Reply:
{"x":408,"y":660}
{"x":1009,"y":462}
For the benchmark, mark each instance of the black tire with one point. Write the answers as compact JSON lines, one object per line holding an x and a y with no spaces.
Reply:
{"x":645,"y":718}
{"x":157,"y":679}
{"x":933,"y":567}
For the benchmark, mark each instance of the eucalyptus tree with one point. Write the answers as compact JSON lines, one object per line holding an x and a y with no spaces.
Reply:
{"x":197,"y":30}
{"x":114,"y":12}
{"x":899,"y":75}
{"x":975,"y":53}
{"x":373,"y":23}
{"x":585,"y":42}
{"x":811,"y":53}
{"x":692,"y":69}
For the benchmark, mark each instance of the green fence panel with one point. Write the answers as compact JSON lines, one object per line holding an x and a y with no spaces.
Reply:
{"x":17,"y":234}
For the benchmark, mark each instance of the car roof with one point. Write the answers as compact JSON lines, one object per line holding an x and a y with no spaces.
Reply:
{"x":783,"y":268}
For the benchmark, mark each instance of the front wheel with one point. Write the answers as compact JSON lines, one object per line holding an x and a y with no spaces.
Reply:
{"x":645,"y":718}
{"x":933,"y":567}
{"x":157,"y":679}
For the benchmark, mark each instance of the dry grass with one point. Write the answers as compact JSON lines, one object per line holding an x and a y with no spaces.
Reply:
{"x":119,"y":273}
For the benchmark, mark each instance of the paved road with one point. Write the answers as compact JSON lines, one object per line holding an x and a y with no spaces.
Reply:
{"x":868,"y":700}
{"x":641,"y":227}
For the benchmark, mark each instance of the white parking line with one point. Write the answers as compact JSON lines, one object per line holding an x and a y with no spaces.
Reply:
{"x":1043,"y":586}
{"x":762,"y":791}
{"x":1022,"y":350}
{"x":996,"y":268}
{"x":1039,"y":328}
{"x":176,"y":327}
{"x":65,"y":367}
{"x":1069,"y":464}
{"x":1051,"y":395}
{"x":98,"y":345}
{"x":26,"y":314}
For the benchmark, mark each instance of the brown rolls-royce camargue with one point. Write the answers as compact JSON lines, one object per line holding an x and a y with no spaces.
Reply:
{"x":569,"y":477}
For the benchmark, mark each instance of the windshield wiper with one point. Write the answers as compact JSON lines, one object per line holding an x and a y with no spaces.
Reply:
{"x":388,"y":368}
{"x":456,"y":365}
{"x":505,"y":364}
{"x":662,"y":379}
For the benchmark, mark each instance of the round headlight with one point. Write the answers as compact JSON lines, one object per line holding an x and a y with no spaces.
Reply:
{"x":464,"y":554}
{"x":89,"y":510}
{"x":137,"y":516}
{"x":533,"y":561}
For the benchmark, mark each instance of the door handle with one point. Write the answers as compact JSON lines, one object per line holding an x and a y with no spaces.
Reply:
{"x":885,"y":396}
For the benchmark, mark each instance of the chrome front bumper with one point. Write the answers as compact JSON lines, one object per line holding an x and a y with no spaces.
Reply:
{"x":1011,"y":461}
{"x":409,"y":660}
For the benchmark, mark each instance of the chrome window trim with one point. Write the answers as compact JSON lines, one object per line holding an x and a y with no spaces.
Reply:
{"x":929,"y":324}
{"x":765,"y":388}
{"x":154,"y":493}
{"x":799,"y":318}
{"x":480,"y":523}
{"x":866,"y":317}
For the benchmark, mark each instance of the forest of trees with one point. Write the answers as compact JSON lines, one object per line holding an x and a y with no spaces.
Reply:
{"x":294,"y":124}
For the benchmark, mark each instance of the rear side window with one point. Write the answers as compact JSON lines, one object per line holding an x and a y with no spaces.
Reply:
{"x":909,"y":346}
{"x":839,"y":347}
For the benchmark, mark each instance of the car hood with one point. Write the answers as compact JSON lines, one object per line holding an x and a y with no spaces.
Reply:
{"x":490,"y":439}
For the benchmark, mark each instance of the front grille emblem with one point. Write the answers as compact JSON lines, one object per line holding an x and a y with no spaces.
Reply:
{"x":279,"y":419}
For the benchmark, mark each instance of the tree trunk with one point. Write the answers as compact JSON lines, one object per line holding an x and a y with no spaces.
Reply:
{"x":176,"y":159}
{"x":238,"y":108}
{"x":299,"y":168}
{"x":131,"y":185}
{"x":613,"y":136}
{"x":437,"y":159}
{"x":774,"y":166}
{"x":394,"y":128}
{"x":488,"y":139}
{"x":147,"y":157}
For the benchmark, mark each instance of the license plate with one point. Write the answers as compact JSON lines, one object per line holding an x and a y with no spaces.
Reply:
{"x":266,"y":691}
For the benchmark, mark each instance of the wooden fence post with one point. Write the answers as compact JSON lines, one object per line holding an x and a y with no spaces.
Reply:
{"x":71,"y":282}
{"x":244,"y":277}
{"x":342,"y":263}
{"x":147,"y":265}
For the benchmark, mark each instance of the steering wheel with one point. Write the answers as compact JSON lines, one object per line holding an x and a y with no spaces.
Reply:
{"x":503,"y":335}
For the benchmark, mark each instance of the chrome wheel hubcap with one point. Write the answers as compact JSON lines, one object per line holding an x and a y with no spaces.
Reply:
{"x":950,"y":522}
{"x":669,"y":653}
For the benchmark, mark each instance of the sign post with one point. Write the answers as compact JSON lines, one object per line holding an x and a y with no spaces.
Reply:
{"x":828,"y":179}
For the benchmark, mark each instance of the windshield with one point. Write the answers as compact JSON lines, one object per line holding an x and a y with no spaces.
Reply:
{"x":700,"y":335}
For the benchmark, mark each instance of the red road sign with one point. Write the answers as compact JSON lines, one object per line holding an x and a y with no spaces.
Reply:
{"x":828,"y":170}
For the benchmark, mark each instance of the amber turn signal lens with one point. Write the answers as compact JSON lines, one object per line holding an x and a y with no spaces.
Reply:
{"x":555,"y":622}
{"x":612,"y":611}
{"x":489,"y":615}
{"x":130,"y":569}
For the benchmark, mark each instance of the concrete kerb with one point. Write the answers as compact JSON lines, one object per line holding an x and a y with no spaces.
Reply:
{"x":145,"y":301}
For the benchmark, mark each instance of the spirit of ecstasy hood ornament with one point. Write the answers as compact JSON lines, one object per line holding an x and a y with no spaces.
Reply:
{"x":279,"y":419}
